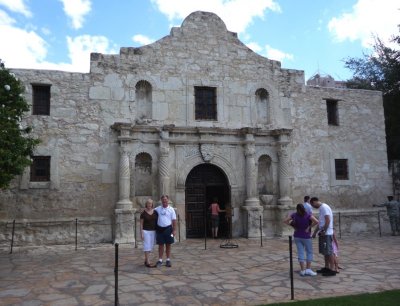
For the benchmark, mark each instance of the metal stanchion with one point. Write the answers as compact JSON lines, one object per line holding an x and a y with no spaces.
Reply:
{"x":205,"y":231}
{"x":340,"y":227}
{"x":134,"y":230}
{"x":291,"y":268}
{"x":76,"y":234}
{"x":12,"y":236}
{"x":116,"y":301}
{"x":179,"y":228}
{"x":379,"y":224}
{"x":261,"y":231}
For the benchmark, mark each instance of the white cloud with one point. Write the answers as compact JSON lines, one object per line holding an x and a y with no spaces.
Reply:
{"x":26,"y":49}
{"x":17,"y":6}
{"x":29,"y":50}
{"x":254,"y":46}
{"x":76,"y":10}
{"x":237,"y":14}
{"x":367,"y":18}
{"x":142,"y":39}
{"x":80,"y":47}
{"x":277,"y":55}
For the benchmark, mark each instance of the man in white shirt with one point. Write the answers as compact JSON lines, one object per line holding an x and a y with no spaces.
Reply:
{"x":325,"y":233}
{"x":165,"y":230}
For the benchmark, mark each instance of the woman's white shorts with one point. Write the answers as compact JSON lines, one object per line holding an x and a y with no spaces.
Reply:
{"x":149,"y":238}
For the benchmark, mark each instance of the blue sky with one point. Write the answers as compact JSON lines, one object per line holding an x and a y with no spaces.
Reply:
{"x":310,"y":35}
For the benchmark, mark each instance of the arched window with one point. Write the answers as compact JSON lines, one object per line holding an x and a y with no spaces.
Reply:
{"x":264,"y":180}
{"x":262,"y":102}
{"x":143,"y":100}
{"x":143,"y":176}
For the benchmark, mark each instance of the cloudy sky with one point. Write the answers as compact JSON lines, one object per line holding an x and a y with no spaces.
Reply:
{"x":310,"y":35}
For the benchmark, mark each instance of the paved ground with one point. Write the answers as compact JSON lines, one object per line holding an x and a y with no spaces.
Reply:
{"x":247,"y":275}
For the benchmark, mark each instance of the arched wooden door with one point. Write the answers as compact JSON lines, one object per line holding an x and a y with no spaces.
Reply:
{"x":204,"y":183}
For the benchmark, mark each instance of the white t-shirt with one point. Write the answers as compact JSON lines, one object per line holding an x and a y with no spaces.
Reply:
{"x":325,"y":210}
{"x":165,"y":215}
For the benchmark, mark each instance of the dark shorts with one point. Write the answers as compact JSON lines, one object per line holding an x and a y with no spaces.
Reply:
{"x":214,"y":221}
{"x":325,"y":245}
{"x":163,"y":235}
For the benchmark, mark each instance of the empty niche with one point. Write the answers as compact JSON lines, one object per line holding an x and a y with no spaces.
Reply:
{"x":262,"y":103}
{"x":143,"y":175}
{"x":143,"y":92}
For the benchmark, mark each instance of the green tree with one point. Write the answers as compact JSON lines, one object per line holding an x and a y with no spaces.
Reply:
{"x":381,"y":71}
{"x":16,"y":144}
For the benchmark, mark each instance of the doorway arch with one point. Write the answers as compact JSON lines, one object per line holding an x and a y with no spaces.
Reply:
{"x":203,"y":183}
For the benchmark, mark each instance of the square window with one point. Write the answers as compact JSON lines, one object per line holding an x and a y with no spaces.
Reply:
{"x":332,"y":112}
{"x":40,"y":169}
{"x":41,"y":99}
{"x":205,"y":103}
{"x":341,"y":169}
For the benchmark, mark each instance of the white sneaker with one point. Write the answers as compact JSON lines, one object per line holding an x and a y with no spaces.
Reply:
{"x":302,"y":272}
{"x":309,"y":272}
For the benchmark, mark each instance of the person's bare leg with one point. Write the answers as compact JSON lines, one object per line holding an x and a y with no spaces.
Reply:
{"x":302,"y":265}
{"x":160,"y":251}
{"x":168,"y":250}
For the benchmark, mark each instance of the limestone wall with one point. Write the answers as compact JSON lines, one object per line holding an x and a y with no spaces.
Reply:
{"x":359,"y":137}
{"x":83,"y":157}
{"x":84,"y":149}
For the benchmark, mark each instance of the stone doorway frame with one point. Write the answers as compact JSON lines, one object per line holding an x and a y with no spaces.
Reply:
{"x":219,"y":188}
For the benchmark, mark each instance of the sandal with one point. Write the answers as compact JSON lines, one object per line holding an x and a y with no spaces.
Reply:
{"x":147,"y":265}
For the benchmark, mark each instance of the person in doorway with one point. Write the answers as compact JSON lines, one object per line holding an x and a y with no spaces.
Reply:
{"x":148,"y":222}
{"x":215,"y":210}
{"x":325,"y":233}
{"x":302,"y":223}
{"x":165,"y":230}
{"x":392,"y":208}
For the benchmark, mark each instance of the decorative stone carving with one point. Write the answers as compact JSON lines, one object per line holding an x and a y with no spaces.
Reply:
{"x":207,"y":151}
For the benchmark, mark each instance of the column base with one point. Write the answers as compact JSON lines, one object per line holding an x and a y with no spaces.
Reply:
{"x":252,"y":218}
{"x":285,"y":201}
{"x":253,"y":202}
{"x":124,"y":225}
{"x":124,"y":204}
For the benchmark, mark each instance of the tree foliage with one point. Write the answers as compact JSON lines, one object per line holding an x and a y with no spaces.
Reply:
{"x":381,"y":71}
{"x":16,"y":144}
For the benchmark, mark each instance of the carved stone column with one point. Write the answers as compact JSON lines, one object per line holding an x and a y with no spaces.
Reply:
{"x":284,"y":180}
{"x":124,"y":212}
{"x":251,"y":173}
{"x":252,"y":209}
{"x":124,"y":181}
{"x":164,"y":163}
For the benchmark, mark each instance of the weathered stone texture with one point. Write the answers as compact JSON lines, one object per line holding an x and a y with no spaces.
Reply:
{"x":98,"y":117}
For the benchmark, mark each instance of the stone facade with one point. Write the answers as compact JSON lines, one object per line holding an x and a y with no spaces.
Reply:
{"x":127,"y":131}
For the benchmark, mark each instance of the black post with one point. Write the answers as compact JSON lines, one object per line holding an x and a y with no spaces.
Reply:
{"x":179,"y":228}
{"x":291,"y":268}
{"x":340,"y":227}
{"x":379,"y":224}
{"x":205,"y":230}
{"x":116,"y":302}
{"x":134,"y":229}
{"x":261,"y":231}
{"x":76,"y":234}
{"x":12,"y":236}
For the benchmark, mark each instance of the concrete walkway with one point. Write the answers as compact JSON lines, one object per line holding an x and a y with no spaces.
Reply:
{"x":247,"y":275}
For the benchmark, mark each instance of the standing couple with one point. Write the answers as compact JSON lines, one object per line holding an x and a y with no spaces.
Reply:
{"x":303,"y":221}
{"x":158,"y":224}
